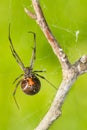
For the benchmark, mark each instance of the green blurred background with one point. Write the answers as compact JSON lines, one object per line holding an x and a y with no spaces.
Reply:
{"x":65,"y":18}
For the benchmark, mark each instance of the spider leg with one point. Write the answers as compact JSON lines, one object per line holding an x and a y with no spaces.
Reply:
{"x":46,"y":80}
{"x":18,"y":78}
{"x":36,"y":71}
{"x":15,"y":93}
{"x":14,"y":53}
{"x":34,"y":51}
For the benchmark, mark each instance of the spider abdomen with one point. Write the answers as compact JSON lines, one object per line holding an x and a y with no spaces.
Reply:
{"x":30,"y":85}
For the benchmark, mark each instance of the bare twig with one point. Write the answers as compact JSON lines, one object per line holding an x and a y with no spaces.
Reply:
{"x":70,"y":72}
{"x":47,"y":32}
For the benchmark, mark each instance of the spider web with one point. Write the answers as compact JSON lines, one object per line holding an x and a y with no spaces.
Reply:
{"x":74,"y":30}
{"x":75,"y":36}
{"x":73,"y":33}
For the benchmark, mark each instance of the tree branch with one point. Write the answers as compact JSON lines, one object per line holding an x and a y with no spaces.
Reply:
{"x":70,"y":72}
{"x":40,"y":19}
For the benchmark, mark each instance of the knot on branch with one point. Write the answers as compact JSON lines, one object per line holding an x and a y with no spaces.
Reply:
{"x":81,"y":65}
{"x":84,"y":59}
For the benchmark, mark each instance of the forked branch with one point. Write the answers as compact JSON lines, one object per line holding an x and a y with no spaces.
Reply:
{"x":70,"y":72}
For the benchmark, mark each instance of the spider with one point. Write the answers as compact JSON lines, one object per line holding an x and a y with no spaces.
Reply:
{"x":30,"y":84}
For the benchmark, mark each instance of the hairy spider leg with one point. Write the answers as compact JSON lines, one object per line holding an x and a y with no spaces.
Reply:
{"x":15,"y":93}
{"x":14,"y":53}
{"x":34,"y":51}
{"x":18,"y":78}
{"x":46,"y":80}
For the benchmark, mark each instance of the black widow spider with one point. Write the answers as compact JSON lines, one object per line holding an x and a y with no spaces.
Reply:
{"x":30,"y":84}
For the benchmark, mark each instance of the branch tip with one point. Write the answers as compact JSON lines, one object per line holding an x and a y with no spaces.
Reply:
{"x":29,"y":13}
